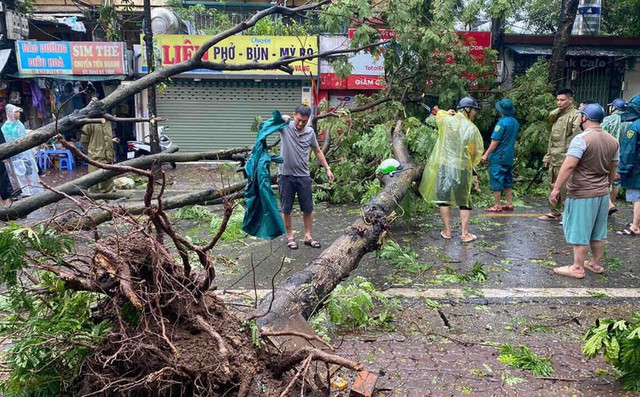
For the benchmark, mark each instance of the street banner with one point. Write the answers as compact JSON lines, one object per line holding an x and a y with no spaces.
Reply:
{"x":70,"y":58}
{"x":173,"y":49}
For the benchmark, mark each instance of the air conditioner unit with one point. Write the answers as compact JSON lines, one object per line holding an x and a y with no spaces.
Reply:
{"x":17,"y":25}
{"x":500,"y":72}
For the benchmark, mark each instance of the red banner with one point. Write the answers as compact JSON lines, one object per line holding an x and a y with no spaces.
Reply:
{"x":93,"y":58}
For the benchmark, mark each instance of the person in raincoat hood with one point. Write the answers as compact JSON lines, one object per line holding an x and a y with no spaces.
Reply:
{"x":500,"y":154}
{"x":614,"y":125}
{"x":5,"y":184}
{"x":629,"y":166}
{"x":23,"y":165}
{"x":448,"y":175}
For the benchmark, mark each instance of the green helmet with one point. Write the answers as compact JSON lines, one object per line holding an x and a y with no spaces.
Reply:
{"x":389,"y":167}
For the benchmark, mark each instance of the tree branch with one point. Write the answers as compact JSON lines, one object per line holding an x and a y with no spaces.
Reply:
{"x":116,"y":119}
{"x":28,"y":205}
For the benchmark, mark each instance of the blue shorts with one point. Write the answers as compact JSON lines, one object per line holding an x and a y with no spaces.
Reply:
{"x":585,"y":220}
{"x":633,"y":195}
{"x":500,"y":176}
{"x":289,"y":186}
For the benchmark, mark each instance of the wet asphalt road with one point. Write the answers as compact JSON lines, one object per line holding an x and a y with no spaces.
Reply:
{"x":516,"y":250}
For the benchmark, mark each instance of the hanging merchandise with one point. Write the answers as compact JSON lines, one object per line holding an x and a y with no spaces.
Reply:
{"x":38,"y":101}
{"x":15,"y":98}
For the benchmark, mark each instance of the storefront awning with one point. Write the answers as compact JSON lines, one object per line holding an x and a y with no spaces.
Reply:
{"x":69,"y":77}
{"x":579,"y":51}
{"x":4,"y":57}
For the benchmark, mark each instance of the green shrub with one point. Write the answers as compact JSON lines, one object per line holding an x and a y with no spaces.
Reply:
{"x":51,"y":328}
{"x":404,"y":258}
{"x":354,"y":305}
{"x":619,"y":343}
{"x":211,"y":222}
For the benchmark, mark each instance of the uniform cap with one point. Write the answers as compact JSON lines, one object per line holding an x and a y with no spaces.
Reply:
{"x":505,"y":106}
{"x":619,"y":104}
{"x":594,"y":112}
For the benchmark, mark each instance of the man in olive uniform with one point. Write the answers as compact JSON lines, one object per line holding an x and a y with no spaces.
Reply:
{"x":98,"y":141}
{"x":565,"y":125}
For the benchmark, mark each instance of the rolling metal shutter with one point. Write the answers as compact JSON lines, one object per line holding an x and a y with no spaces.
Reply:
{"x":214,"y":114}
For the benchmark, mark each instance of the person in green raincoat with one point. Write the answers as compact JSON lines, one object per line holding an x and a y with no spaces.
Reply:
{"x":448,"y":175}
{"x":565,"y":124}
{"x":98,"y":141}
{"x":614,"y":125}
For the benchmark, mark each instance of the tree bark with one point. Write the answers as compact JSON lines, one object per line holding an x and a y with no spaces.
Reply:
{"x":26,"y":206}
{"x":168,"y":203}
{"x":561,"y":42}
{"x":497,"y":32}
{"x":303,"y":291}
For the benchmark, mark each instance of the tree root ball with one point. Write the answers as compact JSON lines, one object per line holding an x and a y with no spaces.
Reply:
{"x":168,"y":338}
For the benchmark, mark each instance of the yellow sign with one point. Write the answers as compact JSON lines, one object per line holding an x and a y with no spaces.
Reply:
{"x":236,"y":50}
{"x":630,"y":134}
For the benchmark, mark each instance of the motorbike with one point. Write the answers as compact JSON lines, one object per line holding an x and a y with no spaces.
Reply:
{"x":143,"y":148}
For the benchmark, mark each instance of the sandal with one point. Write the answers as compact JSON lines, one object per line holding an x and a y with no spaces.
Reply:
{"x":566,"y":271}
{"x":549,"y":217}
{"x":312,"y":243}
{"x":627,"y":232}
{"x":291,"y":243}
{"x":495,"y":208}
{"x":508,"y":207}
{"x":444,"y":235}
{"x":470,"y":237}
{"x":589,"y":265}
{"x":612,"y":210}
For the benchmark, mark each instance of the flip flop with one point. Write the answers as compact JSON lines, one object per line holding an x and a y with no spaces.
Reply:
{"x":566,"y":271}
{"x":291,"y":243}
{"x":312,"y":243}
{"x":612,"y":210}
{"x":472,"y":237}
{"x":588,"y":265}
{"x":548,"y":217}
{"x":493,"y":209}
{"x":508,"y":207}
{"x":444,"y":236}
{"x":627,"y":232}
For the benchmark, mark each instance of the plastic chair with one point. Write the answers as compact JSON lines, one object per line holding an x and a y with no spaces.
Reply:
{"x":65,"y":163}
{"x":43,"y":160}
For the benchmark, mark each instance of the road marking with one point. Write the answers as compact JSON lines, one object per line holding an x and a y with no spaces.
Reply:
{"x":446,"y":293}
{"x":512,"y":215}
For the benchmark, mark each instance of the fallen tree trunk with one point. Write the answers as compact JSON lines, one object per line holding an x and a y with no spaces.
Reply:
{"x":209,"y":197}
{"x":26,"y":206}
{"x":303,"y":291}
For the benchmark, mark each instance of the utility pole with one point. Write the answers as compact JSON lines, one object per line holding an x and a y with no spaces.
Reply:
{"x":154,"y":140}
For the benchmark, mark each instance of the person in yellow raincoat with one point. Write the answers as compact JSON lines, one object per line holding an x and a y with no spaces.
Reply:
{"x":448,"y":175}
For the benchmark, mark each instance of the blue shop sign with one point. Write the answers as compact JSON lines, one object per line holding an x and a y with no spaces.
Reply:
{"x":44,"y":57}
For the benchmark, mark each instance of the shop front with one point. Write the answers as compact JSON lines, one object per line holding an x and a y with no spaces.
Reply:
{"x":367,"y":75}
{"x":600,"y":68}
{"x":54,"y":78}
{"x":212,"y":109}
